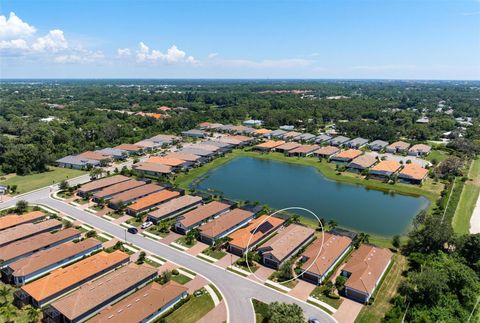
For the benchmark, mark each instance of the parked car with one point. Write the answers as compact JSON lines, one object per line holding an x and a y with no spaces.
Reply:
{"x":146,"y":225}
{"x":313,"y":320}
{"x":132,"y":230}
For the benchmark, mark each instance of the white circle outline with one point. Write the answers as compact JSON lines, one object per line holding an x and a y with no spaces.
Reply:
{"x":278,"y":211}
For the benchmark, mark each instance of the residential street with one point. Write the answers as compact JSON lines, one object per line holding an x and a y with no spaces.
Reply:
{"x":236,"y":290}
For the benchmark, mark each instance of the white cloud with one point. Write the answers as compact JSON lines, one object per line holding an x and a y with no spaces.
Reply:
{"x":174,"y":55}
{"x":212,"y":55}
{"x":14,"y":27}
{"x":123,"y":52}
{"x":14,"y":44}
{"x":54,"y":41}
{"x":81,"y":56}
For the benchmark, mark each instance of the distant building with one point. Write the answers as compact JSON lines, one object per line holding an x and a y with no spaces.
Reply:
{"x":76,"y":162}
{"x":224,"y":225}
{"x":338,"y":141}
{"x":356,"y":143}
{"x":287,"y":127}
{"x":413,"y":173}
{"x":419,"y":150}
{"x":398,"y":147}
{"x":200,"y":215}
{"x":194,"y":133}
{"x":253,"y":123}
{"x":377,"y":145}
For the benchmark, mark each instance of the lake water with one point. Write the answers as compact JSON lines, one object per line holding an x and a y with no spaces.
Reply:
{"x":282,"y":185}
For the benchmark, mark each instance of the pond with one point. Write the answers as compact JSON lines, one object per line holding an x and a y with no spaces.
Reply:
{"x":281,"y":185}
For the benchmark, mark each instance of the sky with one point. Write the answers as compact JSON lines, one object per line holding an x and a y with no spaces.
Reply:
{"x":267,"y":39}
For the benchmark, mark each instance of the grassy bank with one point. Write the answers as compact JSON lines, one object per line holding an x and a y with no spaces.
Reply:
{"x":32,"y":182}
{"x":468,"y":200}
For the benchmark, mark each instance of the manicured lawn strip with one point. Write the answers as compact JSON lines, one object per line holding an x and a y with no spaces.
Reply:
{"x":454,"y":199}
{"x":320,"y":306}
{"x":32,"y":182}
{"x":189,"y":271}
{"x":193,"y":310}
{"x":387,"y":289}
{"x":318,"y":293}
{"x":275,"y":287}
{"x":261,"y":310}
{"x":217,"y":254}
{"x":135,"y":222}
{"x":236,"y":272}
{"x":468,"y":200}
{"x":183,"y":241}
{"x":181,"y":279}
{"x":217,"y":292}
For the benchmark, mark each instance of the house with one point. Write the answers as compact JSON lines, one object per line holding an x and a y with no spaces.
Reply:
{"x":206,"y":154}
{"x":326,"y":152}
{"x":99,"y":184}
{"x":241,"y":129}
{"x":174,"y":208}
{"x":227,"y":128}
{"x":323,"y":255}
{"x":356,"y":143}
{"x":287,"y":128}
{"x":276,"y":133}
{"x":285,"y":244}
{"x":305,"y":137}
{"x":223,"y":146}
{"x":194,"y":159}
{"x":76,"y":162}
{"x":132,"y":195}
{"x":214,"y":149}
{"x":63,"y":280}
{"x":174,"y":163}
{"x":338,"y":141}
{"x":398,"y":147}
{"x":385,"y":168}
{"x":346,"y":156}
{"x":96,"y":295}
{"x":152,"y":169}
{"x":237,"y":140}
{"x":130,"y":149}
{"x":364,"y":271}
{"x":253,"y":123}
{"x":40,"y":263}
{"x":291,"y":135}
{"x":116,"y":154}
{"x":26,"y":230}
{"x":287,"y":147}
{"x":258,"y":230}
{"x":150,"y":201}
{"x":145,"y":305}
{"x":322,"y":138}
{"x":413,"y":173}
{"x":204,"y":125}
{"x":419,"y":150}
{"x":149,"y":145}
{"x":23,"y":248}
{"x":361,"y":163}
{"x":222,"y":226}
{"x":262,"y":132}
{"x":377,"y":145}
{"x":423,"y":120}
{"x":109,"y":191}
{"x":303,"y":150}
{"x":104,"y":159}
{"x":196,"y":217}
{"x":268,"y":145}
{"x":12,"y":220}
{"x":194,"y":133}
{"x":165,"y":139}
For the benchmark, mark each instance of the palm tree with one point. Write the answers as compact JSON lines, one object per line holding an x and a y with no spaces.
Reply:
{"x":9,"y":312}
{"x":4,"y":292}
{"x":332,"y":224}
{"x":32,"y":313}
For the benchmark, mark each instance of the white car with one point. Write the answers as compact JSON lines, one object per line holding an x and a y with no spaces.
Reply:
{"x":147,"y":224}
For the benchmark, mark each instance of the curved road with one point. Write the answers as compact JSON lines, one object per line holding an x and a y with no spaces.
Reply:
{"x":237,"y":291}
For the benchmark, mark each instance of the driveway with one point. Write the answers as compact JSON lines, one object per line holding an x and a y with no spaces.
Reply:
{"x":348,"y":311}
{"x":302,"y":290}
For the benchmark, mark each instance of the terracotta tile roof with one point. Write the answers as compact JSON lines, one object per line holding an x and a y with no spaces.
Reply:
{"x":327,"y":150}
{"x":11,"y":220}
{"x":287,"y":240}
{"x":183,"y":156}
{"x":63,"y":278}
{"x":349,"y":154}
{"x":204,"y":124}
{"x":240,"y":138}
{"x":265,"y":227}
{"x":292,"y":134}
{"x":103,"y":182}
{"x":304,"y":149}
{"x":270,"y":144}
{"x":153,"y":199}
{"x":413,"y":171}
{"x":420,"y":148}
{"x":203,"y":147}
{"x":147,"y":144}
{"x":224,"y":222}
{"x":94,"y":155}
{"x":402,"y":145}
{"x":129,"y":147}
{"x":165,"y":161}
{"x":153,"y":167}
{"x":118,"y":188}
{"x":262,"y":131}
{"x":332,"y":247}
{"x":48,"y":257}
{"x":203,"y":212}
{"x":136,"y":193}
{"x":364,"y":161}
{"x":174,"y":205}
{"x":390,"y":166}
{"x":39,"y":241}
{"x":96,"y":292}
{"x":164,"y":108}
{"x":366,"y":266}
{"x":25,"y":230}
{"x":288,"y":146}
{"x":141,"y":304}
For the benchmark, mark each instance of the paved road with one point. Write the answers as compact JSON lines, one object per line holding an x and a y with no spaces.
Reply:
{"x":236,"y":290}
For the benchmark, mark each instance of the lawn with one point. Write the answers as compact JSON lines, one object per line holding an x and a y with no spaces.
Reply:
{"x":318,"y":293}
{"x":437,"y":155}
{"x":388,"y":288}
{"x":261,"y":310}
{"x":32,"y":182}
{"x":468,"y":200}
{"x":193,"y":310}
{"x":183,"y":242}
{"x":136,"y":222}
{"x":181,"y":279}
{"x":217,"y":254}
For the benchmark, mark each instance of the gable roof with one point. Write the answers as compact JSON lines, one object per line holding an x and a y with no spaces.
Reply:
{"x":348,"y":154}
{"x":153,"y":167}
{"x":165,"y":161}
{"x":153,"y":199}
{"x":118,"y":188}
{"x":364,"y":161}
{"x":174,"y":205}
{"x":135,"y":193}
{"x":287,"y":241}
{"x":183,"y":156}
{"x":288,"y":146}
{"x":94,"y":155}
{"x":103,"y":182}
{"x":413,"y":171}
{"x":11,"y":220}
{"x":225,"y":222}
{"x":420,"y":148}
{"x":399,"y":145}
{"x":327,"y":150}
{"x":25,"y":230}
{"x":304,"y":149}
{"x":390,"y":166}
{"x":202,"y":212}
{"x":129,"y":147}
{"x":265,"y":225}
{"x":270,"y":144}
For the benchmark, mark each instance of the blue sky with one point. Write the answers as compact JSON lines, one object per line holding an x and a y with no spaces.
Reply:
{"x":393,"y":39}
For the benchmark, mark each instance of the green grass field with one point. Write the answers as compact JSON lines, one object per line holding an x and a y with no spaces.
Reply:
{"x":193,"y":310}
{"x":437,"y":155}
{"x":468,"y":200}
{"x":32,"y":182}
